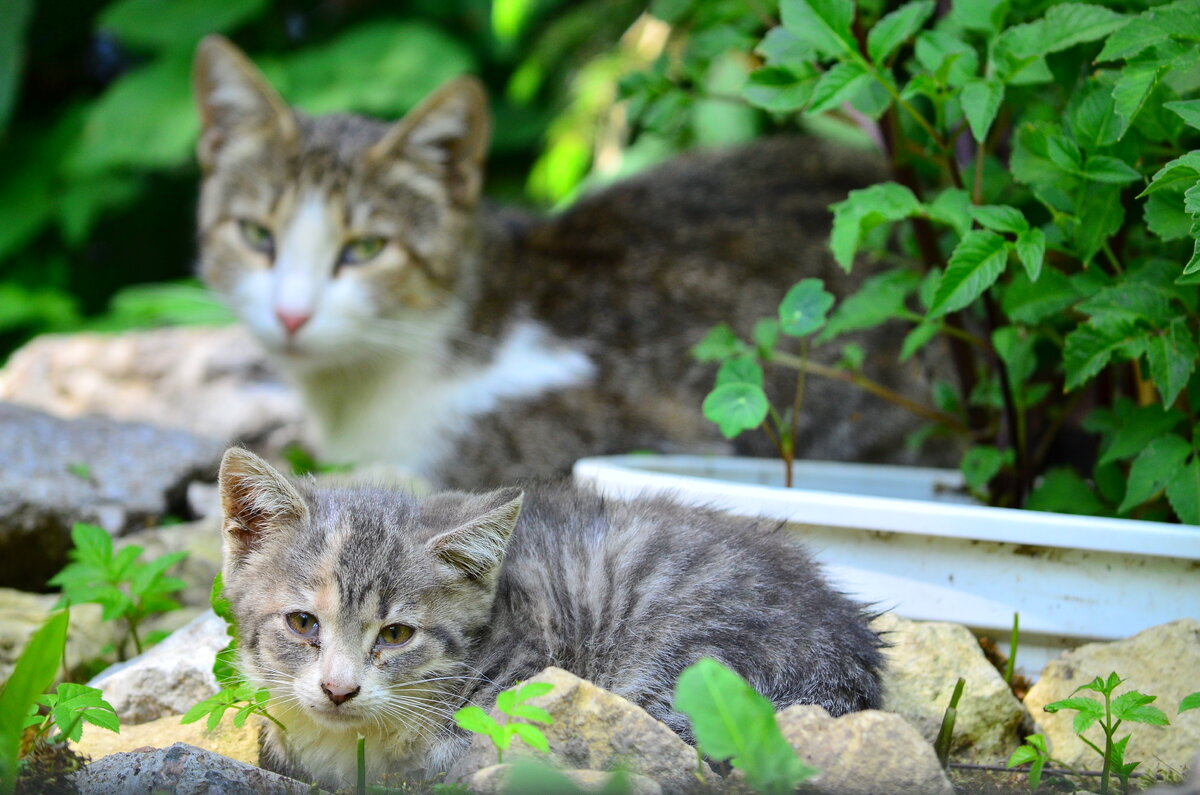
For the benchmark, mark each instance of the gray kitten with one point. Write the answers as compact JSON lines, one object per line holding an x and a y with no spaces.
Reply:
{"x":366,"y":610}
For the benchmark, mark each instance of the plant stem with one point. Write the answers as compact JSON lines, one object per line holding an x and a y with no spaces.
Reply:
{"x":361,"y":784}
{"x":941,"y":745}
{"x":875,"y":388}
{"x":1010,"y":410}
{"x":1012,"y":650}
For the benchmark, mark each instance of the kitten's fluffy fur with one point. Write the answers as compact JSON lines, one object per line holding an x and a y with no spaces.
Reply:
{"x":478,"y":346}
{"x":623,"y":594}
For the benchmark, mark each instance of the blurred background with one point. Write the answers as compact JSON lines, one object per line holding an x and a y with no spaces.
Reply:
{"x":97,"y":124}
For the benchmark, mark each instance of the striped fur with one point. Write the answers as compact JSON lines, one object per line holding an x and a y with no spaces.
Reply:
{"x":623,"y":594}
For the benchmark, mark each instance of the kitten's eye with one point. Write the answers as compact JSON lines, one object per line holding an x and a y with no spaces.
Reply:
{"x":361,"y":250}
{"x":395,"y":635}
{"x":303,"y":624}
{"x":257,"y":237}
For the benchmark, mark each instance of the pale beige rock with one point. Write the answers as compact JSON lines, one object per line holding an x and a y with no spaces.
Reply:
{"x":226,"y":740}
{"x":1162,"y":661}
{"x":924,"y":661}
{"x":863,"y":753}
{"x":494,"y":780}
{"x":594,"y":729}
{"x":214,"y":381}
{"x":21,"y":614}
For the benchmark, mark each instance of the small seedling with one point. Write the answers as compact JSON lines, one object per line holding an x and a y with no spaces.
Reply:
{"x":731,"y":721}
{"x":1131,"y":706}
{"x":946,"y":732}
{"x":235,"y":693}
{"x":1036,"y":754}
{"x":512,"y":703}
{"x":125,"y":587}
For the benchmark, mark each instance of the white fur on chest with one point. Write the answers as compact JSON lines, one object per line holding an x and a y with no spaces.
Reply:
{"x":412,"y":412}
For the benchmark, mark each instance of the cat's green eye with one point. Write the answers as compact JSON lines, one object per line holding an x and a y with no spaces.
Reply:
{"x":303,"y":624}
{"x":395,"y":635}
{"x":257,"y":236}
{"x":362,"y":250}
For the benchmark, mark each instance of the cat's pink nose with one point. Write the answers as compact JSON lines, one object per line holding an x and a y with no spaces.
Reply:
{"x":292,"y":321}
{"x":339,"y":694}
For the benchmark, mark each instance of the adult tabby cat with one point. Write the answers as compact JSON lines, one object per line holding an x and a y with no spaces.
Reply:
{"x":476,"y":345}
{"x":366,"y":610}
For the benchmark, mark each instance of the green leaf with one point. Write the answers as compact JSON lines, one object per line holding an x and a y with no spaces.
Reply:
{"x":886,"y":35}
{"x":1021,"y":756}
{"x":1165,"y":216}
{"x":986,"y":16}
{"x":1101,"y":168}
{"x":976,"y":263}
{"x":1062,"y":490}
{"x":1068,"y":24}
{"x":779,"y":90}
{"x":1153,"y":27}
{"x":919,"y":337}
{"x":823,"y":25}
{"x":766,"y":335}
{"x":1031,"y":250}
{"x":780,"y":47}
{"x":953,"y":208}
{"x":175,"y":25}
{"x":1135,"y":707}
{"x":1098,"y":216}
{"x":534,"y":690}
{"x":93,"y":545}
{"x":474,"y":719}
{"x":530,"y":712}
{"x":1133,"y":88}
{"x":740,"y":371}
{"x":864,"y":209}
{"x":1090,"y":347}
{"x":34,"y":671}
{"x":718,"y":344}
{"x":736,"y":408}
{"x":1135,"y":427}
{"x":981,"y":99}
{"x":838,"y":85}
{"x":1188,"y":110}
{"x":1154,"y":468}
{"x":1090,"y":710}
{"x":1093,"y":116}
{"x":1183,"y":492}
{"x":1190,"y":702}
{"x":17,"y":14}
{"x":531,"y":735}
{"x":1172,"y":354}
{"x":1180,"y":173}
{"x":1129,"y":302}
{"x":803,"y":309}
{"x":506,"y":700}
{"x":980,"y":464}
{"x":78,"y":703}
{"x":1000,"y":218}
{"x":879,"y":299}
{"x":731,"y":721}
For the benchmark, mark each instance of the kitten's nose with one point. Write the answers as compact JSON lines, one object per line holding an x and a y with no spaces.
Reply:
{"x":292,"y":321}
{"x":339,"y":694}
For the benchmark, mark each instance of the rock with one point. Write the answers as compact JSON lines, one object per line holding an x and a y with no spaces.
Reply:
{"x":1162,"y":661}
{"x":863,"y":753}
{"x":169,"y":678}
{"x":56,"y":472}
{"x":594,"y":729}
{"x":495,"y":780}
{"x":22,"y":613}
{"x":226,"y":740}
{"x":924,"y":661}
{"x":211,"y":381}
{"x":177,"y":770}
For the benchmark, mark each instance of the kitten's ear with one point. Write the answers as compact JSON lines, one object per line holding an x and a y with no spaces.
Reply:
{"x":235,"y":99}
{"x":257,"y":501}
{"x":476,"y":547}
{"x":449,"y":132}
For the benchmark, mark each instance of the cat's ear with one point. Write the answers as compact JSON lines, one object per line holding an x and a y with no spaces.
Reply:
{"x":235,"y":99}
{"x":448,"y":132}
{"x":476,"y":547}
{"x":257,"y":502}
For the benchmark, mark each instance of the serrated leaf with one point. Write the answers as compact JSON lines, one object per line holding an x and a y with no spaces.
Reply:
{"x":953,"y":208}
{"x":779,"y":90}
{"x":736,"y":408}
{"x":823,"y":25}
{"x":879,"y":299}
{"x":1165,"y":216}
{"x":1154,"y":468}
{"x":838,"y":85}
{"x":780,"y":47}
{"x":1153,"y":27}
{"x":919,"y":337}
{"x":1135,"y":427}
{"x":533,"y":690}
{"x":1129,"y":302}
{"x":1062,"y":490}
{"x":1172,"y":354}
{"x":1101,"y":168}
{"x":1098,"y":215}
{"x":803,"y":309}
{"x":985,"y":16}
{"x":1000,"y":218}
{"x":981,"y":100}
{"x":886,"y":35}
{"x":1022,"y":755}
{"x":1092,"y":116}
{"x":474,"y":719}
{"x":1183,"y":492}
{"x":1180,"y":173}
{"x":1031,"y":250}
{"x":1089,"y":348}
{"x":1188,"y":110}
{"x":1132,"y":89}
{"x":532,"y":736}
{"x":92,"y":544}
{"x":976,"y":263}
{"x":864,"y":209}
{"x":1089,"y":711}
{"x":530,"y":712}
{"x":1135,"y":706}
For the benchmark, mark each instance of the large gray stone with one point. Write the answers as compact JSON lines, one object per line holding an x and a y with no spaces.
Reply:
{"x":169,"y":678}
{"x":863,"y":753}
{"x":1162,"y":661}
{"x":57,"y":472}
{"x":213,"y":381}
{"x":924,"y":661}
{"x":594,"y":729}
{"x":180,"y":769}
